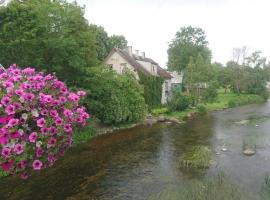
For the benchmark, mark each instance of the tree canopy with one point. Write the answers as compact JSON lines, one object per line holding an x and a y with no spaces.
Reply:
{"x":188,"y":42}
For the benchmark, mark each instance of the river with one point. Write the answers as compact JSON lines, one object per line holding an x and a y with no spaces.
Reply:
{"x":140,"y":162}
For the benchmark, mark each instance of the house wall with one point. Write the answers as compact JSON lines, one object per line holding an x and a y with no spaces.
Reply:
{"x":166,"y":91}
{"x":117,"y":61}
{"x":148,"y":66}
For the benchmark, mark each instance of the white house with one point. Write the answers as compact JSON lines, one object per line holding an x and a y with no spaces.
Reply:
{"x":121,"y":60}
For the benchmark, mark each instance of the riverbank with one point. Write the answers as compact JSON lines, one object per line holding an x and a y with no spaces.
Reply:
{"x":224,"y":101}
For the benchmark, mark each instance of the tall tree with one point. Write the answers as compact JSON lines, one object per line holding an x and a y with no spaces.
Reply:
{"x":118,"y":41}
{"x":53,"y":36}
{"x":188,"y":42}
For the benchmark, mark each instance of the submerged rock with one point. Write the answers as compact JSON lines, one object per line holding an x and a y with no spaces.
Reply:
{"x":242,"y":122}
{"x":249,"y":152}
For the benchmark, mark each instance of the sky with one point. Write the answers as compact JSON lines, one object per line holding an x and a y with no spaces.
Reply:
{"x":149,"y":25}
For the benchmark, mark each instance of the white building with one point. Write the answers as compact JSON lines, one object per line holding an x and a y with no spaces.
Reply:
{"x":121,"y":60}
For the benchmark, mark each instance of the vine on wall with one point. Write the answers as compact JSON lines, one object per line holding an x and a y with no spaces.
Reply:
{"x":152,"y":89}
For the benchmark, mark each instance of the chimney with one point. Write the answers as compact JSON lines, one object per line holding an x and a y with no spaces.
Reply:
{"x":137,"y":52}
{"x":129,"y":50}
{"x":143,"y":54}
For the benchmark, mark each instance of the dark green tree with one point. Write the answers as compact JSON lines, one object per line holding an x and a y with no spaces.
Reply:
{"x":188,"y":42}
{"x":52,"y":36}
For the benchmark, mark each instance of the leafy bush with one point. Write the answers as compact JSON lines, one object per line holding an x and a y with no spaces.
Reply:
{"x":202,"y":109}
{"x":159,"y":111}
{"x":232,"y":103}
{"x":180,"y":102}
{"x":114,"y":98}
{"x":210,"y":94}
{"x":38,"y":114}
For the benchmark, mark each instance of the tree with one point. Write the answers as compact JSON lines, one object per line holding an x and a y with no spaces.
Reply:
{"x":188,"y":42}
{"x":53,"y":36}
{"x":118,"y":41}
{"x":114,"y":98}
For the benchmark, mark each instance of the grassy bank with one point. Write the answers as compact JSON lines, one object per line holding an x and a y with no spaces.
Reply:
{"x":229,"y":100}
{"x":224,"y":100}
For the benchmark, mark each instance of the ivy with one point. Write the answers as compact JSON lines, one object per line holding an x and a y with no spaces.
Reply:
{"x":152,"y":89}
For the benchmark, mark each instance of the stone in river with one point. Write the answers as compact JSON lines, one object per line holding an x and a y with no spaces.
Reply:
{"x":249,"y":152}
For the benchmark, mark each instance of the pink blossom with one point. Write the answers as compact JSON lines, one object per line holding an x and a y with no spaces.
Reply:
{"x":6,"y":152}
{"x":33,"y":137}
{"x":13,"y":122}
{"x":5,"y":101}
{"x":39,"y":152}
{"x":15,"y":134}
{"x":18,"y":148}
{"x":58,"y":121}
{"x":6,"y":166}
{"x":41,"y":122}
{"x":37,"y":165}
{"x":10,"y":109}
{"x":81,"y":93}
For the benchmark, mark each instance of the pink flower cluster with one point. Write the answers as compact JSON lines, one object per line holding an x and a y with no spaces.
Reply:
{"x":37,"y":113}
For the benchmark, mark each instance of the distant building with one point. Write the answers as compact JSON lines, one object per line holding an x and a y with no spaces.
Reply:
{"x":121,"y":60}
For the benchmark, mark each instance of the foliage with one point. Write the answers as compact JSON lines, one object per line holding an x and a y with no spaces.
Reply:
{"x":83,"y":134}
{"x":54,"y":36}
{"x":188,"y":42}
{"x":230,"y":99}
{"x":202,"y":109}
{"x":152,"y":89}
{"x":114,"y":98}
{"x":180,"y":102}
{"x":158,"y":111}
{"x":104,"y":43}
{"x":37,"y":116}
{"x":198,"y":157}
{"x":210,"y":93}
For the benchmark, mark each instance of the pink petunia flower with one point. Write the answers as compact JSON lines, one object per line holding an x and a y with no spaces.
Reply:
{"x":37,"y":165}
{"x":33,"y":137}
{"x":41,"y":122}
{"x":6,"y":152}
{"x":18,"y":148}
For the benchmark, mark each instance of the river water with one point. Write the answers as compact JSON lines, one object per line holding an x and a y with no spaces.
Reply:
{"x":143,"y":161}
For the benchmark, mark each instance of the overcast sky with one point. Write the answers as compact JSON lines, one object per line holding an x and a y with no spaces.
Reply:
{"x":149,"y":25}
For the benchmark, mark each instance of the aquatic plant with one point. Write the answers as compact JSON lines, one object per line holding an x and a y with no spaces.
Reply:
{"x":198,"y":157}
{"x":37,"y":117}
{"x":218,"y":187}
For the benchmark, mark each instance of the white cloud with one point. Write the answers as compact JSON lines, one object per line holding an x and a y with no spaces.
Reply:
{"x":150,"y":25}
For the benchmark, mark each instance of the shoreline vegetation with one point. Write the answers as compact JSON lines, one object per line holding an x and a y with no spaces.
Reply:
{"x":162,"y":114}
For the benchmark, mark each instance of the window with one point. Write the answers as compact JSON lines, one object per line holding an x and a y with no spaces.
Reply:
{"x":123,"y":67}
{"x":110,"y":66}
{"x":153,"y":70}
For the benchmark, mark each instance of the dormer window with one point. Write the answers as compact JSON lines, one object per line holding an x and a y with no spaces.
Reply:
{"x":153,"y":69}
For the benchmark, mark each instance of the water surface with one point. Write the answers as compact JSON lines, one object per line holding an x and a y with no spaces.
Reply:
{"x":141,"y":162}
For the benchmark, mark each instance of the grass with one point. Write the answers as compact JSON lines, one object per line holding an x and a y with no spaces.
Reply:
{"x":224,"y":100}
{"x":198,"y":157}
{"x":229,"y":99}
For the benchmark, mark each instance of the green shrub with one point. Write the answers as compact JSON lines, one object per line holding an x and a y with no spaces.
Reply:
{"x":210,"y":94}
{"x":114,"y":98}
{"x":159,"y":111}
{"x":180,"y":102}
{"x":232,"y":103}
{"x":202,"y":109}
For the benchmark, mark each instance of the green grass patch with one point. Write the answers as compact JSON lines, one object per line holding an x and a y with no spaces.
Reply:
{"x":84,"y":134}
{"x":229,"y":99}
{"x":198,"y":157}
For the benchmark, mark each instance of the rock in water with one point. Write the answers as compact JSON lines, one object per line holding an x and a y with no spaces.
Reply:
{"x":249,"y":152}
{"x":224,"y":149}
